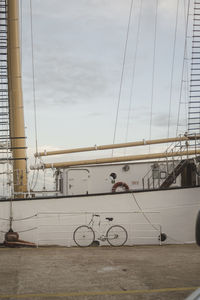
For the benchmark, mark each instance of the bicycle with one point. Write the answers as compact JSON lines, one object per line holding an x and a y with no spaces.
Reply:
{"x":84,"y":235}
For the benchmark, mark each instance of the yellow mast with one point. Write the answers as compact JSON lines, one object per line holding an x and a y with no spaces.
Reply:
{"x":17,"y":131}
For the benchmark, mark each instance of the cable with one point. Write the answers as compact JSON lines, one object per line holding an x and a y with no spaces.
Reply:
{"x":34,"y":185}
{"x":33,"y":76}
{"x":134,"y":68}
{"x":26,"y":218}
{"x":172,"y":70}
{"x":153,"y":226}
{"x":122,"y":73}
{"x":34,"y":228}
{"x":34,"y":97}
{"x":21,"y":35}
{"x":184,"y":60}
{"x":32,"y":179}
{"x":144,"y":215}
{"x":153,"y":70}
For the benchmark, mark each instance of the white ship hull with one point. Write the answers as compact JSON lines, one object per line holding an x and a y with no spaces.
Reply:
{"x":52,"y":221}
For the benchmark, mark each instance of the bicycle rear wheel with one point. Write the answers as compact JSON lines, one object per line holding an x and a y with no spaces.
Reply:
{"x":117,"y":235}
{"x":83,"y":236}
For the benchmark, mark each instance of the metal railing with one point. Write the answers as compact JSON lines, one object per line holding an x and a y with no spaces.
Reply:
{"x":164,"y":168}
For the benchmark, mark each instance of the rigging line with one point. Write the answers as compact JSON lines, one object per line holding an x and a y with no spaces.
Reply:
{"x":184,"y":60}
{"x":172,"y":70}
{"x":122,"y":73}
{"x":33,"y":176}
{"x":153,"y":70}
{"x":134,"y":69}
{"x":33,"y":186}
{"x":143,"y":213}
{"x":33,"y":76}
{"x":150,"y":223}
{"x":187,"y":92}
{"x":21,"y":20}
{"x":34,"y":95}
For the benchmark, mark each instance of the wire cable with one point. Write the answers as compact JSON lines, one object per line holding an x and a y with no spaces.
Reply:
{"x":153,"y":70}
{"x":122,"y":73}
{"x":172,"y":70}
{"x":144,"y":215}
{"x":26,"y":218}
{"x":153,"y":226}
{"x":34,"y":94}
{"x":33,"y":77}
{"x":21,"y":35}
{"x":184,"y":62}
{"x":134,"y":69}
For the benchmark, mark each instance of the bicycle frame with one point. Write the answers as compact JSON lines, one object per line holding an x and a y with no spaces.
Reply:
{"x":102,"y":237}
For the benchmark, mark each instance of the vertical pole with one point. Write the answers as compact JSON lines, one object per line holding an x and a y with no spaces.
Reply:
{"x":17,"y":131}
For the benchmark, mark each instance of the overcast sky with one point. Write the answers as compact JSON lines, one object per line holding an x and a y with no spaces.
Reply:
{"x":78,"y":55}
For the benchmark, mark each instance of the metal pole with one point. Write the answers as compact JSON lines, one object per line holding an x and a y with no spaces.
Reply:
{"x":115,"y":159}
{"x":115,"y":146}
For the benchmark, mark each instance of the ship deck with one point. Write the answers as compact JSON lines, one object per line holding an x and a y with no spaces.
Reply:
{"x":139,"y":272}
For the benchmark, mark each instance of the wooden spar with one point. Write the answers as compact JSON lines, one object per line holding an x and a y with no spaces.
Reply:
{"x":119,"y":159}
{"x":16,"y":110}
{"x":122,"y":145}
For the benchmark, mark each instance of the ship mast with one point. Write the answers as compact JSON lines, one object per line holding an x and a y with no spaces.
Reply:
{"x":16,"y":109}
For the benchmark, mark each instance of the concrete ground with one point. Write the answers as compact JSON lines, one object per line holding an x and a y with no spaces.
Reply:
{"x":140,"y":272}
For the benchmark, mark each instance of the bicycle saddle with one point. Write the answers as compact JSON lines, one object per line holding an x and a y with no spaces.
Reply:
{"x":109,"y":219}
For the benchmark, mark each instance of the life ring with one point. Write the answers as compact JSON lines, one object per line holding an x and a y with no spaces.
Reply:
{"x":120,"y":184}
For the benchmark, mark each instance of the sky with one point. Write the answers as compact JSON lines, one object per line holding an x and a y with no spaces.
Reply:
{"x":78,"y":52}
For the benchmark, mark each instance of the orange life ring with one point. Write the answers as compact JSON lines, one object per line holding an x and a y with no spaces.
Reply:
{"x":120,"y":184}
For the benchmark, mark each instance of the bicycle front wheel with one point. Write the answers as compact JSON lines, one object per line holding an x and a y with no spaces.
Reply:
{"x":117,"y":235}
{"x":83,"y":236}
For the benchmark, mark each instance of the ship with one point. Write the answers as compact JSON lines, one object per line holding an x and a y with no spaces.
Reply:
{"x":147,"y":198}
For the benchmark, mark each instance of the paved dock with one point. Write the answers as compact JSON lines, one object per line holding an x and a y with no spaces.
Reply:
{"x":139,"y":272}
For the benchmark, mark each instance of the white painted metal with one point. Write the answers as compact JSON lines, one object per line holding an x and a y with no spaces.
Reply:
{"x":52,"y":221}
{"x":97,"y":179}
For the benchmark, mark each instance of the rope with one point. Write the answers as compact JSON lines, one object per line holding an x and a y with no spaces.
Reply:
{"x":33,"y":76}
{"x":153,"y":70}
{"x":21,"y":20}
{"x":4,"y":219}
{"x":153,"y":226}
{"x":122,"y":73}
{"x":26,"y":218}
{"x":184,"y":60}
{"x":172,"y":70}
{"x":37,"y":174}
{"x":134,"y":69}
{"x":34,"y":94}
{"x":144,"y":215}
{"x":32,"y":184}
{"x":34,"y":228}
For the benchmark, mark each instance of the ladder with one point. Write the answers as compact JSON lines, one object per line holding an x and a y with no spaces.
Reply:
{"x":194,"y":91}
{"x":4,"y":102}
{"x":5,"y":151}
